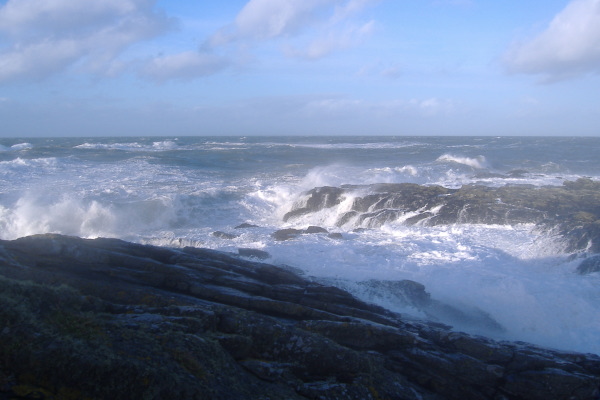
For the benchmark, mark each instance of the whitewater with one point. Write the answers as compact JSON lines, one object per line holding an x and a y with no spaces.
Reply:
{"x":179,"y":191}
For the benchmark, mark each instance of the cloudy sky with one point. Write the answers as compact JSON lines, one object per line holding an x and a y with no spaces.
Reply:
{"x":301,"y":67}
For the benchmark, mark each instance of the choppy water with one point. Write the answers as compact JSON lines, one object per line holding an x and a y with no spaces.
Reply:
{"x":177,"y":191}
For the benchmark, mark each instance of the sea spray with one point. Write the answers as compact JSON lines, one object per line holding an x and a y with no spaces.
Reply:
{"x":478,"y":162}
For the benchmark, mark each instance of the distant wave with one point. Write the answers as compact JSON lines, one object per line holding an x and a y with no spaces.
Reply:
{"x":132,"y":146}
{"x":17,"y":147}
{"x":478,"y":162}
{"x":22,"y":162}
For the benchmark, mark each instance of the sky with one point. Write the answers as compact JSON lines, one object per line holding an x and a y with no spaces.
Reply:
{"x":299,"y":67}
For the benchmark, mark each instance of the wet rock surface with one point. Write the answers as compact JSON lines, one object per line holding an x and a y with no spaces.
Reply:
{"x":105,"y":318}
{"x":571,"y":211}
{"x":589,"y":265}
{"x":292,"y":233}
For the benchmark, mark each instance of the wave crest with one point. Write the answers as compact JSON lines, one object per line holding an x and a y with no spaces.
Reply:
{"x":16,"y":147}
{"x":130,"y":146}
{"x":478,"y":162}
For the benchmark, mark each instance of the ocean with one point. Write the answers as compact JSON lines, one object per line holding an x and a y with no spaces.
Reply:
{"x":179,"y":191}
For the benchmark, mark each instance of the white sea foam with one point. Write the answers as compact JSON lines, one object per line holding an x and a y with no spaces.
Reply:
{"x":131,"y":146}
{"x":17,"y":147}
{"x":521,"y":289}
{"x":24,"y":166}
{"x":509,"y":273}
{"x":164,"y":145}
{"x":111,"y":146}
{"x":478,"y":162}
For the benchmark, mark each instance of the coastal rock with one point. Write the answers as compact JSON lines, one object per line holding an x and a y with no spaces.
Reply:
{"x":408,"y":293}
{"x":405,"y":292}
{"x":286,"y":234}
{"x":321,"y":197}
{"x":315,"y":229}
{"x":224,"y":235}
{"x":589,"y":265}
{"x":104,"y":318}
{"x":571,"y":210}
{"x":246,"y":225}
{"x":254,"y":253}
{"x":291,"y":233}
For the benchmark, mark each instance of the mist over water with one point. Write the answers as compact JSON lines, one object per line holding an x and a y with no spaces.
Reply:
{"x":178,"y":191}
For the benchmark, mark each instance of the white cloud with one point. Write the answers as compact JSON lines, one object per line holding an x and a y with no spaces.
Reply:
{"x":570,"y":46}
{"x":186,"y":65}
{"x":268,"y":19}
{"x":18,"y":17}
{"x":331,"y":41}
{"x":320,"y":26}
{"x":38,"y":59}
{"x":349,"y":9}
{"x":44,"y":37}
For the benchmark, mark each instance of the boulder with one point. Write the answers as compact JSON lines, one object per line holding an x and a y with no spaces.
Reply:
{"x":246,"y":225}
{"x":224,"y":235}
{"x":291,"y":233}
{"x":286,"y":234}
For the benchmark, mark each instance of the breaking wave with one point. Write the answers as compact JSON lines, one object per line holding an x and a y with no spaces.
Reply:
{"x":17,"y":147}
{"x":478,"y":162}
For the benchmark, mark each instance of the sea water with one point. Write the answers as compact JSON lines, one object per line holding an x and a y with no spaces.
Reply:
{"x":177,"y":191}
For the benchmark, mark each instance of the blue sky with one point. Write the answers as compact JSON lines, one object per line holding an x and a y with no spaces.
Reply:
{"x":299,"y":67}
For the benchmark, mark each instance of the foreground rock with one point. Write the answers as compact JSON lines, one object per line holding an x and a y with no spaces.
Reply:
{"x":108,"y":319}
{"x":571,"y":210}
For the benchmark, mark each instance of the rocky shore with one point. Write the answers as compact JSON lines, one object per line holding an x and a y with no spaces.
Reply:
{"x":571,"y":212}
{"x":103,"y":318}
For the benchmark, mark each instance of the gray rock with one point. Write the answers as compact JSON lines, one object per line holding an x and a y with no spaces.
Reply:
{"x":246,"y":225}
{"x":315,"y":229}
{"x":224,"y":235}
{"x":572,"y":210}
{"x":291,"y":233}
{"x":286,"y":234}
